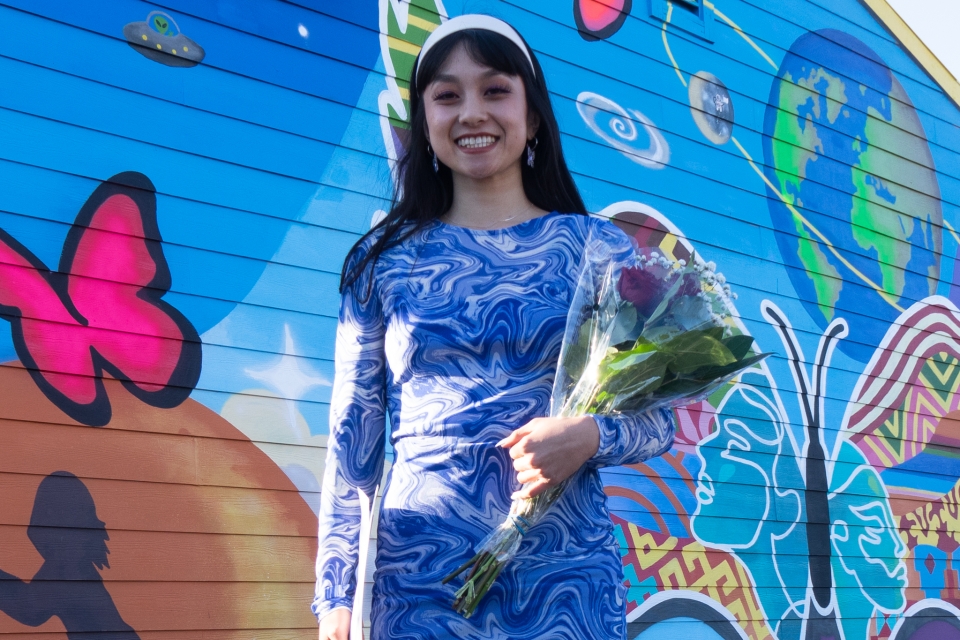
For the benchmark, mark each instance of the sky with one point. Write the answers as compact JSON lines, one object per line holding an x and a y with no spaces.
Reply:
{"x":935,"y":22}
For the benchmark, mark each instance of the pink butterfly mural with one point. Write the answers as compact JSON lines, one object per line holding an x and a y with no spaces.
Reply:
{"x":102,"y":311}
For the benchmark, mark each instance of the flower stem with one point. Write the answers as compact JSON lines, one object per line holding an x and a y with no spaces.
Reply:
{"x":462,"y":568}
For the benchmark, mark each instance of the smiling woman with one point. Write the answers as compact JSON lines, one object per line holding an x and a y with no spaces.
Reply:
{"x":452,"y":317}
{"x":479,"y":109}
{"x":507,"y":187}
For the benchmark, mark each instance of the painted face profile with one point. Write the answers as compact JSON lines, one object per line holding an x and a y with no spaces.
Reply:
{"x":736,"y":489}
{"x":64,"y":504}
{"x":863,"y":533}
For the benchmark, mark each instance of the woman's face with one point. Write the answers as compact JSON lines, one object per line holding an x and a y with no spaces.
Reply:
{"x":477,"y":118}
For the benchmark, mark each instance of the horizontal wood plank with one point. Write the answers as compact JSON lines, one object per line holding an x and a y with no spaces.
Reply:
{"x":189,"y":606}
{"x":156,"y":556}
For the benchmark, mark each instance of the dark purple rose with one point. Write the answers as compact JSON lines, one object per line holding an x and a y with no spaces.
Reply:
{"x":691,"y":284}
{"x":641,"y":288}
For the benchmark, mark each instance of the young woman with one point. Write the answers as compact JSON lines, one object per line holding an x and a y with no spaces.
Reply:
{"x":452,"y":314}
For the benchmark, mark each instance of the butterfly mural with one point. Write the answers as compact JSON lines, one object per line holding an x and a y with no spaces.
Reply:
{"x":99,"y":343}
{"x":102,"y":311}
{"x":814,"y":521}
{"x":833,"y":521}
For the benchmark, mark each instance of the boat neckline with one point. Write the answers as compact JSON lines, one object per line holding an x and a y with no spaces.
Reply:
{"x":495,"y":229}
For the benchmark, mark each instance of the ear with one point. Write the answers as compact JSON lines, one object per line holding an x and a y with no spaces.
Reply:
{"x":533,"y":124}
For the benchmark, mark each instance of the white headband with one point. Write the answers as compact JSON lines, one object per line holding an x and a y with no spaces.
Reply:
{"x":474,"y":21}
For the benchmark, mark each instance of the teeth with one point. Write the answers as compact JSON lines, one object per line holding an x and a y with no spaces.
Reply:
{"x":476,"y":142}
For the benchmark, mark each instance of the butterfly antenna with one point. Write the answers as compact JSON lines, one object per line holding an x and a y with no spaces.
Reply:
{"x":828,"y":342}
{"x":778,"y":319}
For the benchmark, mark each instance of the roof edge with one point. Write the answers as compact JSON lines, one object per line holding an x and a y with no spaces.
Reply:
{"x":888,"y":16}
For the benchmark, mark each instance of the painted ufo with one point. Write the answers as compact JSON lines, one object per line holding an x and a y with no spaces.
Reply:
{"x":159,"y":39}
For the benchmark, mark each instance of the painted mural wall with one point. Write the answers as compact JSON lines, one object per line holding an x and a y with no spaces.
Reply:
{"x":180,"y":182}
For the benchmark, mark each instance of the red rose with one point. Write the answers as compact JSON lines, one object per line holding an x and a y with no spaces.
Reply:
{"x":641,"y":288}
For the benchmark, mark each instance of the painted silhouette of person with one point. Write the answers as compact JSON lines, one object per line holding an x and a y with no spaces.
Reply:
{"x":65,"y":529}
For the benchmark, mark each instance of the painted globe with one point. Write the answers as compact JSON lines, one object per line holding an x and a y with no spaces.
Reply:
{"x":856,"y":206}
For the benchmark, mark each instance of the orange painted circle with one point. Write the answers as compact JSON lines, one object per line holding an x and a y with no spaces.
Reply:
{"x":205,"y":531}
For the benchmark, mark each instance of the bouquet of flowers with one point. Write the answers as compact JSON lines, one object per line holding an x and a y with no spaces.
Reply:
{"x":642,"y":334}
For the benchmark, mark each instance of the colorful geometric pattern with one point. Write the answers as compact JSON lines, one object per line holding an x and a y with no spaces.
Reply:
{"x":650,"y":231}
{"x":932,"y":535}
{"x":655,"y":562}
{"x":927,"y":329}
{"x":934,"y":524}
{"x":909,"y":429}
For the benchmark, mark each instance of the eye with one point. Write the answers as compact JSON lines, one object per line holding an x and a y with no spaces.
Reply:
{"x":443,"y":95}
{"x":498,"y":89}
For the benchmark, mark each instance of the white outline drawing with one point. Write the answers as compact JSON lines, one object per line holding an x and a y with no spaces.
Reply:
{"x":623,"y":128}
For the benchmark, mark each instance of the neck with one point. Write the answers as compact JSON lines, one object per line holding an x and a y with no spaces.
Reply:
{"x":488,"y":203}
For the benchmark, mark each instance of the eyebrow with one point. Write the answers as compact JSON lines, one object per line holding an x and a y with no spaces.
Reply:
{"x":446,"y":77}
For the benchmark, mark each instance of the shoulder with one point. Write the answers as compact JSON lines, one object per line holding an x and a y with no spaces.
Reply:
{"x":594,"y":229}
{"x":604,"y":227}
{"x":371,"y":241}
{"x":362,"y":266}
{"x":364,"y":246}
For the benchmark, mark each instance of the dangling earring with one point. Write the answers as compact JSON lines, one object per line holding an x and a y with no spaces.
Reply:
{"x":436,"y":165}
{"x":531,"y":153}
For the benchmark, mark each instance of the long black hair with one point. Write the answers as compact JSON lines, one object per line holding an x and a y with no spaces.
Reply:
{"x":422,"y":194}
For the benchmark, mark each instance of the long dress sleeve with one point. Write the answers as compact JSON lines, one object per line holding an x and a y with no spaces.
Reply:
{"x":355,"y":448}
{"x":628,"y":438}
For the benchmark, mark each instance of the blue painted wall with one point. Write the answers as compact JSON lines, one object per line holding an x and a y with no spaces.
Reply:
{"x":798,"y":146}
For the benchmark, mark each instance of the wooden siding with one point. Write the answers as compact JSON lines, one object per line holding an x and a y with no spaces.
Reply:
{"x":271,"y":157}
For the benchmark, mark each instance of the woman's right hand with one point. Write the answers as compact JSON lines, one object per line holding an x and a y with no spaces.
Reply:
{"x":336,"y":625}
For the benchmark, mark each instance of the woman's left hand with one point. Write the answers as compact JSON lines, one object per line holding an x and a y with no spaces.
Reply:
{"x":547,"y":451}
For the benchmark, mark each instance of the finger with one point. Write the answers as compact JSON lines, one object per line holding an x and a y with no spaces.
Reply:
{"x":514,"y":436}
{"x":531,"y":490}
{"x":520,"y":449}
{"x":528,"y":476}
{"x":510,"y":440}
{"x":523,"y":463}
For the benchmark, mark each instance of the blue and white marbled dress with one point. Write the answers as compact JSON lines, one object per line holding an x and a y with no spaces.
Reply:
{"x":458,"y":343}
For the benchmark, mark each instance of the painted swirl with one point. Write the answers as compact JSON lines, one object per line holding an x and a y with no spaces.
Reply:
{"x":618,"y":127}
{"x":458,"y":341}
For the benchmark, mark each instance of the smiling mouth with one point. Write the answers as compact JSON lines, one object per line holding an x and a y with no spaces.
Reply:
{"x":476,"y":142}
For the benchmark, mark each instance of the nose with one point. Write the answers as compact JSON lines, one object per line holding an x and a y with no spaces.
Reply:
{"x":472,"y":111}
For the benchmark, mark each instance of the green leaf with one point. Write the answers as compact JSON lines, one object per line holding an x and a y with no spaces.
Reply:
{"x":695,"y":349}
{"x":638,"y":353}
{"x":586,"y":331}
{"x":624,"y":326}
{"x":574,"y":360}
{"x":716,"y":372}
{"x":682,"y":387}
{"x":575,"y":354}
{"x":714,"y":332}
{"x":665,"y":302}
{"x":642,"y":377}
{"x":739,"y":346}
